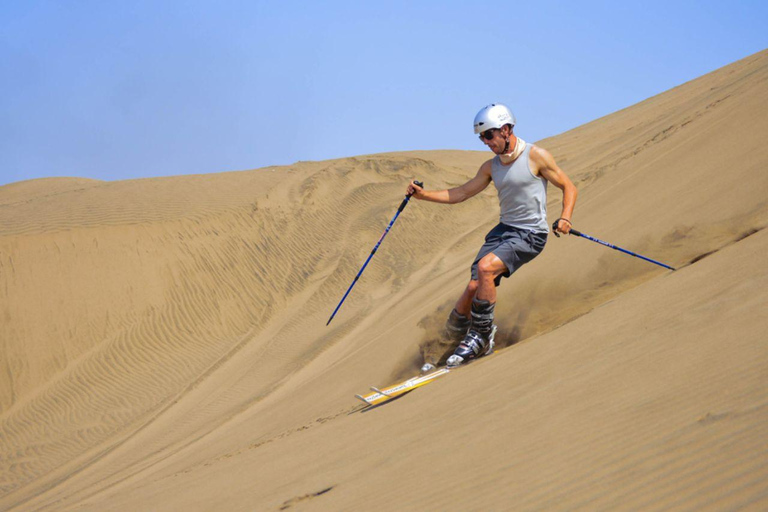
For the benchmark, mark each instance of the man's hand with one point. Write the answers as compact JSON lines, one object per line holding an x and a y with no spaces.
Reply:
{"x":562,"y":226}
{"x":415,"y":191}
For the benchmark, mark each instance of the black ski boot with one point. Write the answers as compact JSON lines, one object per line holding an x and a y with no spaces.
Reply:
{"x":455,"y":329}
{"x":479,"y":340}
{"x":456,"y":326}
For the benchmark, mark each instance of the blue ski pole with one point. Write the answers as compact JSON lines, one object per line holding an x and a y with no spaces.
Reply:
{"x":579,"y":233}
{"x":400,"y":209}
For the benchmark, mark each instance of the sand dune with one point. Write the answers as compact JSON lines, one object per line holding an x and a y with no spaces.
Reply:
{"x":164,"y":343}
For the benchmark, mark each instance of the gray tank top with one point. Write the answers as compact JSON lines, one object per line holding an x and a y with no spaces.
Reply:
{"x":522,"y":196}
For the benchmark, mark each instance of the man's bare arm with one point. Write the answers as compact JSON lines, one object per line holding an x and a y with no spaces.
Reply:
{"x":455,"y":195}
{"x":548,"y":168}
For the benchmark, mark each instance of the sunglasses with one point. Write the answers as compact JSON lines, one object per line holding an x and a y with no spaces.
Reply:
{"x":488,"y":134}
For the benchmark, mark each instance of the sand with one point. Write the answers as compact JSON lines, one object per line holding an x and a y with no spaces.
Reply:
{"x":164,"y":343}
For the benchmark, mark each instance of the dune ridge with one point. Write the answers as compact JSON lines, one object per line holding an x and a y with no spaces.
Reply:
{"x":164,"y":338}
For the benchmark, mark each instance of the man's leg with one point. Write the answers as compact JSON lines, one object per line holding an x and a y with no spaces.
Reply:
{"x":488,"y":269}
{"x":458,"y":322}
{"x":464,"y":304}
{"x":477,"y":340}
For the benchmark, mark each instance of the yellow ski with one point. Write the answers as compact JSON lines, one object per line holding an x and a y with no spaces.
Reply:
{"x":379,"y":396}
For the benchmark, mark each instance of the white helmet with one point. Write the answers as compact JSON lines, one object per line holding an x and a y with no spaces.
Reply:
{"x":494,"y":115}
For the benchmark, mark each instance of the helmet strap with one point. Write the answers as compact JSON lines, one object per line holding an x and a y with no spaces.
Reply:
{"x":506,"y":146}
{"x":507,"y":158}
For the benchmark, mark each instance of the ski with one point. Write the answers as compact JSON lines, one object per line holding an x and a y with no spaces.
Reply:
{"x":429,"y":374}
{"x":379,"y":396}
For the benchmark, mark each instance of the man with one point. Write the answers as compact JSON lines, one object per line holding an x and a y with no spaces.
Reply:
{"x":520,"y":172}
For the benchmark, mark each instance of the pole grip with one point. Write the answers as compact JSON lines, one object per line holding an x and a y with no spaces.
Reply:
{"x":419,"y":183}
{"x":408,"y":196}
{"x":554,"y":229}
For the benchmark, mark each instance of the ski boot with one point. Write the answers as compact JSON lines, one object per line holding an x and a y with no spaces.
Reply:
{"x":457,"y":326}
{"x":474,"y":345}
{"x":479,"y":341}
{"x":455,"y":329}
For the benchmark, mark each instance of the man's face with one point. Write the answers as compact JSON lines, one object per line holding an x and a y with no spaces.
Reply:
{"x":495,"y":139}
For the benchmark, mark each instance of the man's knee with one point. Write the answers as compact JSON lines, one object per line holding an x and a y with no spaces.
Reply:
{"x":472,"y":286}
{"x":490,"y":266}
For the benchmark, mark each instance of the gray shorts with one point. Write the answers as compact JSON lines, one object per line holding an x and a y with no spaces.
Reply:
{"x":515,"y":247}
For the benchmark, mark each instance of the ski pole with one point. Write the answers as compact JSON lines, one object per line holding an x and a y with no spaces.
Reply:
{"x":400,"y":209}
{"x":579,"y":233}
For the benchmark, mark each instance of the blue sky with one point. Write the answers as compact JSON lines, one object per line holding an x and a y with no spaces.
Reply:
{"x":121,"y":90}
